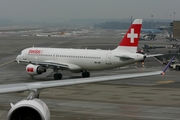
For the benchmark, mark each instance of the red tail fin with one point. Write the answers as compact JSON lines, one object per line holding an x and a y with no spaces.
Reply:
{"x":130,"y":41}
{"x":132,"y":36}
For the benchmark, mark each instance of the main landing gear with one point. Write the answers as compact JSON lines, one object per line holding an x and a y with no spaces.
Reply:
{"x":85,"y":74}
{"x":57,"y":76}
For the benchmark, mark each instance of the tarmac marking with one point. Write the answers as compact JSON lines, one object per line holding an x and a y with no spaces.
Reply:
{"x":165,"y":81}
{"x":7,"y":63}
{"x":109,"y":114}
{"x":158,"y":60}
{"x":57,"y":44}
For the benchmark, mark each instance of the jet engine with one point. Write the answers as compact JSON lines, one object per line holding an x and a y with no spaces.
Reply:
{"x":34,"y":69}
{"x":34,"y":109}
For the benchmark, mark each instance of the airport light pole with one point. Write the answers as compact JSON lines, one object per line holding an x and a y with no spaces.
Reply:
{"x":170,"y":17}
{"x":151,"y":21}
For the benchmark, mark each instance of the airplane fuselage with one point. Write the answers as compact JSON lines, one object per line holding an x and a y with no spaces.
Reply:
{"x":85,"y":59}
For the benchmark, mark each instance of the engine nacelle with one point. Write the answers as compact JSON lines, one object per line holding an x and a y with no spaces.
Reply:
{"x":34,"y":109}
{"x":34,"y":69}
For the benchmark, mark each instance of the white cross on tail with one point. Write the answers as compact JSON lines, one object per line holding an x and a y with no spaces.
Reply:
{"x":132,"y":35}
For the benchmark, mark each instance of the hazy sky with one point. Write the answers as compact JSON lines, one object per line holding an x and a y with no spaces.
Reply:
{"x":62,"y":10}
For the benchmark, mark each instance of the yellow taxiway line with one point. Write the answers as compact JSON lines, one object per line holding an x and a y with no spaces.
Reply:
{"x":6,"y":63}
{"x":165,"y":81}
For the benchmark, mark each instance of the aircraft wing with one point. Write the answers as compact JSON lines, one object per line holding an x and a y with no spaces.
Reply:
{"x":38,"y":109}
{"x":48,"y":84}
{"x":52,"y":64}
{"x":58,"y":65}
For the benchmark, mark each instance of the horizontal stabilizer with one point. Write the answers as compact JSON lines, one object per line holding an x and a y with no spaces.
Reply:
{"x":154,"y":55}
{"x":123,"y":57}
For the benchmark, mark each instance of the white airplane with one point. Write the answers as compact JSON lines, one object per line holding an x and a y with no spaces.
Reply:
{"x":32,"y":108}
{"x":83,"y":60}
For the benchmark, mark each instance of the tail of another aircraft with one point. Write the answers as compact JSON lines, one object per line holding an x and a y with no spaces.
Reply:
{"x":131,"y":39}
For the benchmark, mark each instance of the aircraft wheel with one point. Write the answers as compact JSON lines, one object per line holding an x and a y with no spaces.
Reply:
{"x":57,"y":76}
{"x":85,"y":74}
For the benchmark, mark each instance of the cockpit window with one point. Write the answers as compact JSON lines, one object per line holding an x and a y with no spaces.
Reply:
{"x":20,"y":53}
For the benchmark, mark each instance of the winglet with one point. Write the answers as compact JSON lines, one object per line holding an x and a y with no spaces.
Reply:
{"x":166,"y":67}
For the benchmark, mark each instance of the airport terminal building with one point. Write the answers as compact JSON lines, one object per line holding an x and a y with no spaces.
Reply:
{"x":176,"y":29}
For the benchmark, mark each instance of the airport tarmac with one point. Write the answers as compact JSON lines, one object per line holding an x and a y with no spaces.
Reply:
{"x":145,"y":98}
